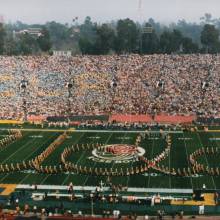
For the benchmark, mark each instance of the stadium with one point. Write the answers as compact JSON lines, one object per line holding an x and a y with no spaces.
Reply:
{"x":117,"y":120}
{"x":143,"y":162}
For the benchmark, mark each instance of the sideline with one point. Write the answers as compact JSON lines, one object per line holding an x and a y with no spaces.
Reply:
{"x":92,"y":188}
{"x":98,"y":131}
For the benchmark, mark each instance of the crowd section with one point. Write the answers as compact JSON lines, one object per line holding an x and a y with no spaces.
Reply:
{"x":125,"y":84}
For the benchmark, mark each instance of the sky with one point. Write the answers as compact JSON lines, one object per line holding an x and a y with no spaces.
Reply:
{"x":165,"y":11}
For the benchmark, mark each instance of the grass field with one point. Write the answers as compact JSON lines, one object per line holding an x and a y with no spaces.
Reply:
{"x":183,"y":143}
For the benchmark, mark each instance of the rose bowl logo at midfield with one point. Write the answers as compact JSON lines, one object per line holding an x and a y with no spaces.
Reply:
{"x":121,"y":149}
{"x":117,"y":153}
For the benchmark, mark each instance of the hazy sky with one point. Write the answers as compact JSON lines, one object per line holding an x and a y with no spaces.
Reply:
{"x":40,"y":11}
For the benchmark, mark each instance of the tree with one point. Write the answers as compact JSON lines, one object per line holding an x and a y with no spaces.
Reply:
{"x":88,"y":36}
{"x":176,"y":39}
{"x":190,"y":30}
{"x":28,"y":44}
{"x":59,"y":35}
{"x":86,"y":46}
{"x":127,"y":36}
{"x":170,"y":42}
{"x":44,"y":41}
{"x":150,"y":41}
{"x":189,"y":46}
{"x":210,"y":38}
{"x":2,"y":38}
{"x":165,"y":39}
{"x":11,"y":46}
{"x":104,"y":39}
{"x":207,"y":18}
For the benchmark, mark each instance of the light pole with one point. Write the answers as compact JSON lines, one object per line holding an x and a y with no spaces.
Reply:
{"x":23,"y":87}
{"x":69,"y":87}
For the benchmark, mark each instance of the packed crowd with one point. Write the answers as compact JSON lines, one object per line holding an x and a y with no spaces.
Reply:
{"x":126,"y":84}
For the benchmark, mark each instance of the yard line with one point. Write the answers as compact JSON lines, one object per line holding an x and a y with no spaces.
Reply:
{"x":122,"y":141}
{"x":84,"y":151}
{"x":4,"y":177}
{"x":128,"y":177}
{"x":27,"y":143}
{"x":130,"y":131}
{"x":76,"y":141}
{"x":206,"y":159}
{"x":25,"y":178}
{"x":217,"y":143}
{"x":33,"y":153}
{"x":41,"y":183}
{"x":152,"y":151}
{"x":101,"y":131}
{"x":48,"y":175}
{"x":187,"y":155}
{"x":12,"y":143}
{"x":95,"y":162}
{"x":46,"y":139}
{"x":169,"y":169}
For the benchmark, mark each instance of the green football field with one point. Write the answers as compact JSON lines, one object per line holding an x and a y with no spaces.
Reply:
{"x":33,"y":142}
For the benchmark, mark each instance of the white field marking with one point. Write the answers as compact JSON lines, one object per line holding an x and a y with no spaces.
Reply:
{"x":38,"y":147}
{"x":76,"y":141}
{"x":151,"y":174}
{"x":13,"y":143}
{"x":123,"y":138}
{"x":161,"y":175}
{"x":101,"y":131}
{"x":48,"y":175}
{"x":4,"y":177}
{"x":27,"y":143}
{"x":217,"y":143}
{"x":214,"y":139}
{"x":35,"y":150}
{"x":94,"y":137}
{"x":93,"y":166}
{"x":36,"y":136}
{"x":39,"y":130}
{"x":128,"y":177}
{"x":152,"y":151}
{"x":95,"y":162}
{"x":122,"y":142}
{"x":24,"y":178}
{"x":187,"y":155}
{"x":206,"y":160}
{"x":169,"y":169}
{"x":29,"y":171}
{"x":131,"y":131}
{"x":185,"y":139}
{"x":30,"y":155}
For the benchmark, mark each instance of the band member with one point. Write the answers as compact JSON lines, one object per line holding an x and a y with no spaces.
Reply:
{"x":18,"y":167}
